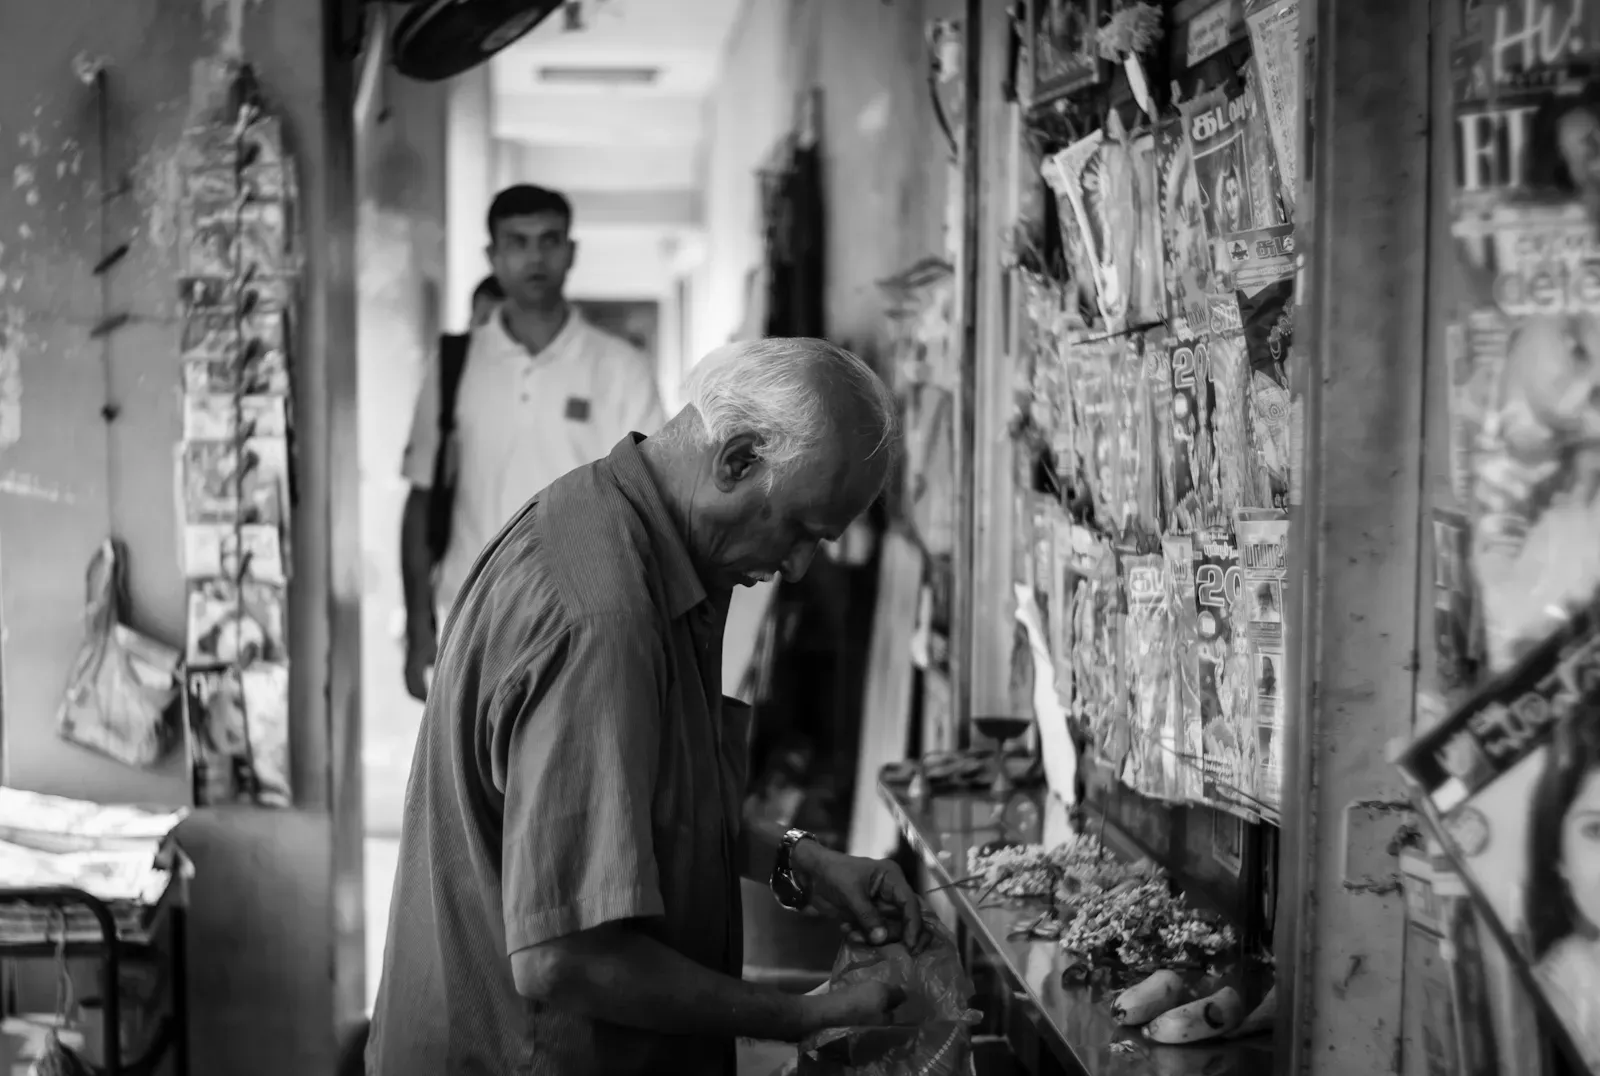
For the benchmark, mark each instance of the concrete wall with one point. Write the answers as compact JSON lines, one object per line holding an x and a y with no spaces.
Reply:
{"x":882,"y":152}
{"x":276,"y":917}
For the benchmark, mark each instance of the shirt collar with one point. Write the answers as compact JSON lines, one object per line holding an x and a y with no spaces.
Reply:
{"x":562,"y":341}
{"x":683,"y":586}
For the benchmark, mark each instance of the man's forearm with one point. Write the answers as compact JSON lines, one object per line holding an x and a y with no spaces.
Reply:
{"x":620,"y":975}
{"x":758,"y":849}
{"x":416,"y":561}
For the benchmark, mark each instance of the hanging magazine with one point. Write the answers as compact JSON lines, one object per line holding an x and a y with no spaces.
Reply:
{"x":1511,"y":784}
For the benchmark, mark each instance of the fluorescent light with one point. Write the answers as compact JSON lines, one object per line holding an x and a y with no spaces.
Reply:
{"x":599,"y":76}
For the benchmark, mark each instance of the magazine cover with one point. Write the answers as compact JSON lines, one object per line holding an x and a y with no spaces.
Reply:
{"x":1511,"y":784}
{"x":237,"y":724}
{"x":1227,"y":677}
{"x":224,"y":354}
{"x":235,"y":623}
{"x":262,"y":247}
{"x":211,"y":239}
{"x":246,"y":482}
{"x":233,"y":551}
{"x":1185,"y":251}
{"x":213,"y":417}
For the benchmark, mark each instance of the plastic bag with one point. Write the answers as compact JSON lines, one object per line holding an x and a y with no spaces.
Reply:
{"x":119,"y":698}
{"x":932,"y":1030}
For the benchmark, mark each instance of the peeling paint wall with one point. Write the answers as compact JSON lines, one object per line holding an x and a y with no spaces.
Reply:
{"x":271,"y":892}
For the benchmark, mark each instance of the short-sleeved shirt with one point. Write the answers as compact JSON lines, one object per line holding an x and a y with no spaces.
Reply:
{"x":577,"y":765}
{"x":522,"y":421}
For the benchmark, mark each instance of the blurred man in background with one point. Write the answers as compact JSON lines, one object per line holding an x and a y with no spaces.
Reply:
{"x":534,"y":392}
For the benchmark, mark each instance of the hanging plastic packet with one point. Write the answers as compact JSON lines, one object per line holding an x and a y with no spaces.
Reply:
{"x":1163,"y":438}
{"x":1267,"y":318}
{"x":1147,"y":488}
{"x":1147,"y":302}
{"x":1274,"y":27}
{"x":1060,"y":175}
{"x":1228,"y":741}
{"x":1261,"y":160}
{"x":1094,"y":179}
{"x":1237,"y":476}
{"x":1132,"y":458}
{"x":1095,"y":654}
{"x":1193,"y":490}
{"x":1112,"y":203}
{"x":1149,"y":658}
{"x":1270,"y":417}
{"x":1095,"y":396}
{"x":1074,"y":547}
{"x":931,"y":1032}
{"x":1042,"y":534}
{"x":1263,"y":555}
{"x":120,"y":695}
{"x":1187,"y":274}
{"x":1184,"y":762}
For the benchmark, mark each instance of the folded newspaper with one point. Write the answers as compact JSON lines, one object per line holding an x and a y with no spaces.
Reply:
{"x":116,"y":853}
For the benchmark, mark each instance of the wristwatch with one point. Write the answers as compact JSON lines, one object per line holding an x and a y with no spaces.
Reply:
{"x":786,"y":888}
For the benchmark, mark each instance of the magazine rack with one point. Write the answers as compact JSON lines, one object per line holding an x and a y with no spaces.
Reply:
{"x":115,"y":933}
{"x":238,"y":287}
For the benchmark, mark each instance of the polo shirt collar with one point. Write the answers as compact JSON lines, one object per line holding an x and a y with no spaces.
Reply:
{"x":563,"y":340}
{"x":683,"y":586}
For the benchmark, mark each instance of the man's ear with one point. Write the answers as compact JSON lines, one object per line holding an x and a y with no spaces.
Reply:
{"x":736,"y":460}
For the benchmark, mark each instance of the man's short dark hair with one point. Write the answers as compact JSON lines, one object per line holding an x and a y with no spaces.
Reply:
{"x":526,"y":200}
{"x":488,"y":288}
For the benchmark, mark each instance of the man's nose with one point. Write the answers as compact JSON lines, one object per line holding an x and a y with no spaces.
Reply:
{"x":798,"y":561}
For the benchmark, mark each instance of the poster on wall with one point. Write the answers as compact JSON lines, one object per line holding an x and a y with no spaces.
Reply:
{"x":1063,"y":53}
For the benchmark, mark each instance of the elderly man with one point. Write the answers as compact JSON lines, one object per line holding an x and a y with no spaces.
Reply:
{"x":568,"y":896}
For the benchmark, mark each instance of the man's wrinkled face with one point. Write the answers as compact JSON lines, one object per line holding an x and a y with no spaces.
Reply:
{"x":743,"y":533}
{"x":532,"y":256}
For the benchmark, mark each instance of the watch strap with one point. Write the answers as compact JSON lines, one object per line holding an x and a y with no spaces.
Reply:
{"x":785,"y":886}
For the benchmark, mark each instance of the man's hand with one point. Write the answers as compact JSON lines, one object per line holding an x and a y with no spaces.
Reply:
{"x":422,"y":650}
{"x":868,"y":1004}
{"x":869,"y":897}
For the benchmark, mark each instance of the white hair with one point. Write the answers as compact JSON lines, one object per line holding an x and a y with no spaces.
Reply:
{"x":773,"y":388}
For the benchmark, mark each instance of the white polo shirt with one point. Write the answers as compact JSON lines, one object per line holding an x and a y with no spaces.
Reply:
{"x":522,"y":421}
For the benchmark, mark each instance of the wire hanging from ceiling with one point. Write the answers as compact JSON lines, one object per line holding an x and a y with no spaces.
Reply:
{"x":577,"y":14}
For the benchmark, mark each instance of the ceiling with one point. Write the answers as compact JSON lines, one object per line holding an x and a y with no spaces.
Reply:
{"x":556,"y":88}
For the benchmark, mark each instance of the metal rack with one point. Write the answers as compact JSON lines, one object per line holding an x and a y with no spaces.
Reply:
{"x":171,"y":1037}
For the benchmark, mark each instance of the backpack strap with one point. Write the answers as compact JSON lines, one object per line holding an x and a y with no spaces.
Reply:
{"x":452,"y":363}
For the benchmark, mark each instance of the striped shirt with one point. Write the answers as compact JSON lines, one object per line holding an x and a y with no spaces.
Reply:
{"x":577,"y":765}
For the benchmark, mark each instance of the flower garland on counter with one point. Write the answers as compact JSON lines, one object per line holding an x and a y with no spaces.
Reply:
{"x":1120,"y":917}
